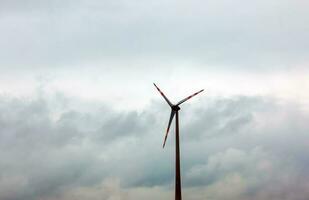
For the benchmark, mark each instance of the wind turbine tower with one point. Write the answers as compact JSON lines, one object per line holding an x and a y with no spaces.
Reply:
{"x":174,"y":111}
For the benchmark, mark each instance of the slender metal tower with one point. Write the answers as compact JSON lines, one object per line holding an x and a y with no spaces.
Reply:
{"x":175,"y":110}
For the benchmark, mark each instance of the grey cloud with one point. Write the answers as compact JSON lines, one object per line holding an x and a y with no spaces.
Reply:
{"x":255,"y":165}
{"x":131,"y":123}
{"x":261,"y":34}
{"x":216,"y":117}
{"x":46,"y":157}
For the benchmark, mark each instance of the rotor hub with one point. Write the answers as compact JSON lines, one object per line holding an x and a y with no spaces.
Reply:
{"x":175,"y":107}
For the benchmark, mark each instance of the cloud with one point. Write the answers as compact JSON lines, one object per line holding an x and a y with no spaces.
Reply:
{"x":68,"y":140}
{"x":260,"y":35}
{"x":82,"y":151}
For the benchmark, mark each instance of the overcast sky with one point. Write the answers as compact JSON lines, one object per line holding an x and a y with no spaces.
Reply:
{"x":80,"y":118}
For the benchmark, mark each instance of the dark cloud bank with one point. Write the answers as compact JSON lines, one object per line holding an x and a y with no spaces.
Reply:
{"x":240,"y":147}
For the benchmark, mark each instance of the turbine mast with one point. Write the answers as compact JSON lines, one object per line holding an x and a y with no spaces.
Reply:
{"x":177,"y":162}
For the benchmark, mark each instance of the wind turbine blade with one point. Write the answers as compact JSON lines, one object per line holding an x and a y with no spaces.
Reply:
{"x":189,"y":97}
{"x":166,"y":99}
{"x":169,"y":125}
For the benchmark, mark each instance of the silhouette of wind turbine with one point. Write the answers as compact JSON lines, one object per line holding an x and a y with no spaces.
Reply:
{"x":174,"y":110}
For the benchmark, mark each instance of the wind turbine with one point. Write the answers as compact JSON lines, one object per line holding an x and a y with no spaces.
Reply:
{"x":174,"y":110}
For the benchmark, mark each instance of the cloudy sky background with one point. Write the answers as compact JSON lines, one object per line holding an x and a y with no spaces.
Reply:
{"x":80,"y":118}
